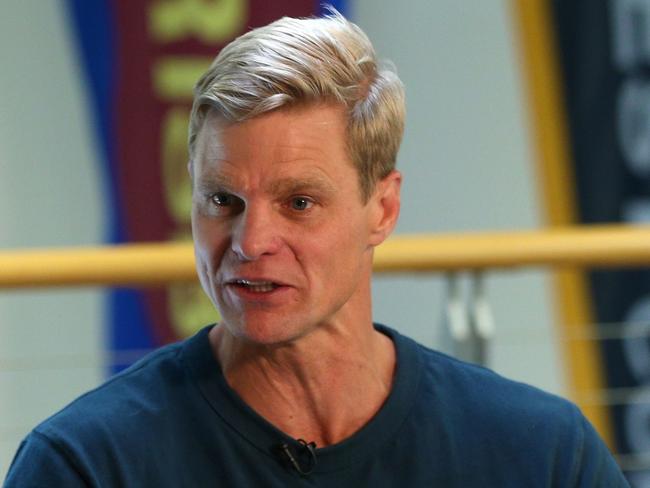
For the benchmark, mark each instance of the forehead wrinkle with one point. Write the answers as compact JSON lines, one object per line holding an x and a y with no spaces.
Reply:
{"x":212,"y":154}
{"x":211,"y":178}
{"x":311,"y":181}
{"x":301,"y":183}
{"x":293,"y":152}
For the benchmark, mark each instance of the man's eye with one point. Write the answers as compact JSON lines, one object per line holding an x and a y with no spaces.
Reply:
{"x":221,"y":199}
{"x":301,"y":203}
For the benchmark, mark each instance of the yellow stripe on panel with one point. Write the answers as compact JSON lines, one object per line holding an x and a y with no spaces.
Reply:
{"x":550,"y":136}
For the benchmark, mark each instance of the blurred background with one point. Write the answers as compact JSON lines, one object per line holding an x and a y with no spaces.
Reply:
{"x":94,"y":99}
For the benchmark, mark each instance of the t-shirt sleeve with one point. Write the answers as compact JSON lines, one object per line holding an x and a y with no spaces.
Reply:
{"x":40,"y":462}
{"x":595,"y":466}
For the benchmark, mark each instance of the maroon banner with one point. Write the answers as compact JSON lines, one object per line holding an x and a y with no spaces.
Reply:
{"x":162,"y":48}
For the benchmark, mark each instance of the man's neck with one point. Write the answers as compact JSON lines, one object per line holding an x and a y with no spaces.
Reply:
{"x":322,"y":387}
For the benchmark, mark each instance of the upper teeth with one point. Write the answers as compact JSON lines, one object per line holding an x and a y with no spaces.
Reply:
{"x":257,"y":286}
{"x":254,"y":283}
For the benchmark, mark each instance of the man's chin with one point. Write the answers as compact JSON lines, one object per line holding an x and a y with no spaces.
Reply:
{"x":265,"y":333}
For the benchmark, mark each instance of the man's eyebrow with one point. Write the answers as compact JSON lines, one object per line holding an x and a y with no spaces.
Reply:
{"x":303,"y":183}
{"x":211,"y":182}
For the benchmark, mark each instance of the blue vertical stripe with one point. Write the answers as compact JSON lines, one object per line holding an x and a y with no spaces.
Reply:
{"x":93,"y":25}
{"x":128,"y":325}
{"x":340,"y":5}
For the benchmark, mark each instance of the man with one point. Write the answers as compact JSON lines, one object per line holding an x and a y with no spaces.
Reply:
{"x":293,"y":140}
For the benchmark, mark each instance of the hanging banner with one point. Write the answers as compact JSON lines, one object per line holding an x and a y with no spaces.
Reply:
{"x":605,"y":58}
{"x":141,"y":60}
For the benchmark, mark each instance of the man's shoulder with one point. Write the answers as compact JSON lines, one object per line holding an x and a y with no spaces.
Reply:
{"x":147,"y":412}
{"x":474,"y":402}
{"x":479,"y":391}
{"x":474,"y":418}
{"x":122,"y":402}
{"x":477,"y":406}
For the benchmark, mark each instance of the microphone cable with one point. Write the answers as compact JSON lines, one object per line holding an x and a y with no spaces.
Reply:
{"x":292,"y":458}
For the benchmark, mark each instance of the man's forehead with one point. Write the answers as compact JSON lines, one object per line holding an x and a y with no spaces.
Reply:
{"x":228,"y":177}
{"x":324,"y":117}
{"x":227,"y":161}
{"x":215,"y":152}
{"x":287,"y":147}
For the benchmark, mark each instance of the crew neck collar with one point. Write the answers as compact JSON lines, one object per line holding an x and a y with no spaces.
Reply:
{"x":226,"y":403}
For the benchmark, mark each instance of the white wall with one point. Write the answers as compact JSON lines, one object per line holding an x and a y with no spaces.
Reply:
{"x":468,"y":165}
{"x":50,"y":341}
{"x":466,"y":160}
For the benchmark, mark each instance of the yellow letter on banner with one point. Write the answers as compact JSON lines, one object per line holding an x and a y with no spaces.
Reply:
{"x":176,"y":180}
{"x":210,"y":21}
{"x":189,"y":308}
{"x":174,"y":76}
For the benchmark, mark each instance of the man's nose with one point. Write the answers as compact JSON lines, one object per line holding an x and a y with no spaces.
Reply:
{"x":255,"y":234}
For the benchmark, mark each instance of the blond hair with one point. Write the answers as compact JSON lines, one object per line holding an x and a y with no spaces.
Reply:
{"x":310,"y":60}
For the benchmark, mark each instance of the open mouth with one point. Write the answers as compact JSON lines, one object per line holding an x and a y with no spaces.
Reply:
{"x":256,"y":286}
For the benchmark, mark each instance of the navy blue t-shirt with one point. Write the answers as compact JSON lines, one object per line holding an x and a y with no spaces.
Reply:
{"x":172,"y":420}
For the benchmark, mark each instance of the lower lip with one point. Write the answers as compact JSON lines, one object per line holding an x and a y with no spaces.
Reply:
{"x":248,"y":294}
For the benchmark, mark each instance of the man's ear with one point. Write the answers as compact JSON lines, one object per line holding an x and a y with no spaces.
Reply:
{"x":385,"y":205}
{"x":190,"y":172}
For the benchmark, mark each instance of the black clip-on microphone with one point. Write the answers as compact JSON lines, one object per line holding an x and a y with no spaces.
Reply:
{"x":290,"y":456}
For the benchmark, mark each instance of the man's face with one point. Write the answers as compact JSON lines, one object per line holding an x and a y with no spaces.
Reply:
{"x":282,"y":238}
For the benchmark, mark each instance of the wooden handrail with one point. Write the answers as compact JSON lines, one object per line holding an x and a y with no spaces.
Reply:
{"x":155,"y":264}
